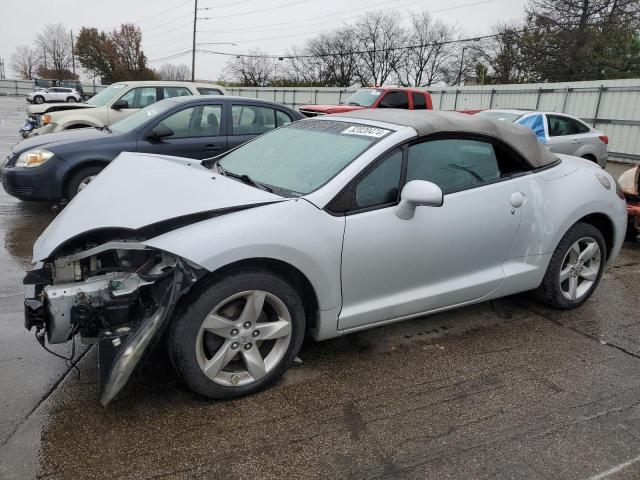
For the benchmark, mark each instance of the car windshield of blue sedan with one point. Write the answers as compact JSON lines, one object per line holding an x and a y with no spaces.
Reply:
{"x":142,"y":116}
{"x":302,"y":156}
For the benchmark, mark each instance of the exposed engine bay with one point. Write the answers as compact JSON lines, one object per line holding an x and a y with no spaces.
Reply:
{"x":118,"y":295}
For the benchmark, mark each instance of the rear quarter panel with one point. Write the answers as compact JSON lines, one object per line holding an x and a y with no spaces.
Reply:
{"x":559,"y":197}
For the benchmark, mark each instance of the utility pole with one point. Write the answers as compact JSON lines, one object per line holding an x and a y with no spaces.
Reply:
{"x":193,"y":52}
{"x":461,"y":65}
{"x":2,"y":69}
{"x":44,"y":51}
{"x":73,"y":55}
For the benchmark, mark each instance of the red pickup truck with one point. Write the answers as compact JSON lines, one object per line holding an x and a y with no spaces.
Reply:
{"x":375,"y":97}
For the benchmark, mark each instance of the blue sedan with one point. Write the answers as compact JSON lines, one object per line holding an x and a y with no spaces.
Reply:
{"x":57,"y":166}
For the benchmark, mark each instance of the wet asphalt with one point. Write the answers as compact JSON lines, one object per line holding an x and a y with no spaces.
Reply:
{"x":505,"y":389}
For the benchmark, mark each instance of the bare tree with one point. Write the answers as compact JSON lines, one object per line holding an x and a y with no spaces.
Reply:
{"x":379,"y":38}
{"x":502,"y":55}
{"x":128,"y":47}
{"x":334,"y":52}
{"x":251,"y":71}
{"x":25,"y":62}
{"x":300,"y":69}
{"x":169,"y":71}
{"x":55,"y":44}
{"x":433,"y":58}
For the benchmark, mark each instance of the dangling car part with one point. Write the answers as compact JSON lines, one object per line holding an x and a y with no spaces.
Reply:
{"x":630,"y":184}
{"x":326,"y":226}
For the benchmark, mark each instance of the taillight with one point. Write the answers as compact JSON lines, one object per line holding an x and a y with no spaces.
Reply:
{"x":604,"y":139}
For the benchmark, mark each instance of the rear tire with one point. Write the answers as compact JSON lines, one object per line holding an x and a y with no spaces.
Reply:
{"x":237,"y":334}
{"x":591,"y":158}
{"x":71,"y":100}
{"x":81,"y":179}
{"x":575,"y":268}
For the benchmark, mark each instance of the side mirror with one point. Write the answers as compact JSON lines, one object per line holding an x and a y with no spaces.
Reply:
{"x":418,"y":193}
{"x":160,"y":131}
{"x":120,"y":104}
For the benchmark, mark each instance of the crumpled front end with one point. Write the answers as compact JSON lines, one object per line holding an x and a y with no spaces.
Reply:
{"x":118,"y":295}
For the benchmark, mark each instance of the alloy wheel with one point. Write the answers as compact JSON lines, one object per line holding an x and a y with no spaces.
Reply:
{"x":243,"y":338}
{"x":580,"y":268}
{"x":85,"y":182}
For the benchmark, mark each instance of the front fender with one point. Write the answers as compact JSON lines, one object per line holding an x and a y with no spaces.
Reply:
{"x":294,"y":232}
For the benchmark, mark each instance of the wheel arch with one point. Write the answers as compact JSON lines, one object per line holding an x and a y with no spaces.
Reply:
{"x":76,"y":168}
{"x":294,"y":276}
{"x":605,"y":225}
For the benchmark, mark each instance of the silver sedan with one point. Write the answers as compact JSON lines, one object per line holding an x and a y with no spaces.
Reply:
{"x":562,"y":133}
{"x":323,"y":227}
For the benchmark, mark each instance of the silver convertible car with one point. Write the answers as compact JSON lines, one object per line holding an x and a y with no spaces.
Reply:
{"x":323,"y":227}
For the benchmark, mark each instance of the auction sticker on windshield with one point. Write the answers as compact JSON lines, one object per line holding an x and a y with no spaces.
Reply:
{"x":366,"y":131}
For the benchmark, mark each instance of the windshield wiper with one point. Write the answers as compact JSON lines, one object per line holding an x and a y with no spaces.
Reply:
{"x":246,"y":179}
{"x":105,"y":127}
{"x":355,"y":104}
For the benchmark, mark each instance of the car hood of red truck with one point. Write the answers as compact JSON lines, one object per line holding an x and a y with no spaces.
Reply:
{"x":324,"y":109}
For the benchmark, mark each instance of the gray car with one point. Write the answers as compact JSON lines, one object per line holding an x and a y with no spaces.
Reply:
{"x":562,"y":133}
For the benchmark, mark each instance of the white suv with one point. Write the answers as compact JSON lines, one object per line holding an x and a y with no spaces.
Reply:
{"x":112,"y":104}
{"x":54,"y":94}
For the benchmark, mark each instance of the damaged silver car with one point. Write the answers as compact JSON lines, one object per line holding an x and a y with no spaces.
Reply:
{"x":323,"y":227}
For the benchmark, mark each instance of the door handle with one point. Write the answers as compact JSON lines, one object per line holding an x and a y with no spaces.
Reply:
{"x":211,"y":146}
{"x":575,"y":141}
{"x":517,"y":199}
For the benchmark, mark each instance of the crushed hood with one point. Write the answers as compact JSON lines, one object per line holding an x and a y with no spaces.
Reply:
{"x":140,"y":190}
{"x":55,"y":107}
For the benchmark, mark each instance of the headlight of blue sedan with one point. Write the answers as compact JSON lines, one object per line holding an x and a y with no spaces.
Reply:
{"x":33,"y":158}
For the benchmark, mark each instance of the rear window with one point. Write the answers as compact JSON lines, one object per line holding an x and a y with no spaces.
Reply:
{"x":419,"y":102}
{"x":209,"y":91}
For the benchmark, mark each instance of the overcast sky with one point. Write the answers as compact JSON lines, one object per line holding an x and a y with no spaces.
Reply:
{"x":167,"y":24}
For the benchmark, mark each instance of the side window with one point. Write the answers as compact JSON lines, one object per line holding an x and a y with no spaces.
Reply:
{"x":252,"y":120}
{"x":168,"y":92}
{"x":200,"y":121}
{"x":419,"y":102}
{"x":282,"y":119}
{"x":578,"y":127}
{"x":535,"y":123}
{"x":394,"y":99}
{"x":381,"y":185}
{"x":560,"y":126}
{"x":209,"y":91}
{"x":140,"y":97}
{"x":453,"y":164}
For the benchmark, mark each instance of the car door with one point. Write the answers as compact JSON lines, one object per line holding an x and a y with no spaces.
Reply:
{"x":443,"y":256}
{"x":563,"y":138}
{"x":54,"y":95}
{"x":249,"y":120}
{"x":136,"y":98}
{"x":198,"y":132}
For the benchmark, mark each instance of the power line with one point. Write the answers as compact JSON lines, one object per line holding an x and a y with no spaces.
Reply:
{"x":170,"y":57}
{"x":328,"y":29}
{"x":233,"y":3}
{"x":170,"y":30}
{"x":263,"y":9}
{"x":356,"y":52}
{"x":161,"y":13}
{"x":166,"y":23}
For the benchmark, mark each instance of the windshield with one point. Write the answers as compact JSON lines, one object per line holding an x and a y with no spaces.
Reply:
{"x":302,"y":156}
{"x":500,"y":116}
{"x":364,"y":98}
{"x":142,"y":116}
{"x":103,"y":97}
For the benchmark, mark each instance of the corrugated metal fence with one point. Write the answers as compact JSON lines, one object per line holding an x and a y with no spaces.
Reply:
{"x":612,"y":106}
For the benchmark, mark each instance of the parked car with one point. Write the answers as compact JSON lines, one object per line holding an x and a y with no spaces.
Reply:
{"x":325,"y":226}
{"x":42,"y":83}
{"x":57,"y":166}
{"x":112,"y":104}
{"x":375,"y":97}
{"x":54,"y":94}
{"x":630,"y":184}
{"x":561,"y":132}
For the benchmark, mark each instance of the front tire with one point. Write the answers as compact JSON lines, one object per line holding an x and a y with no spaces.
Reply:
{"x":575,"y":268}
{"x":39,"y":99}
{"x":237,"y":334}
{"x":81,"y":179}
